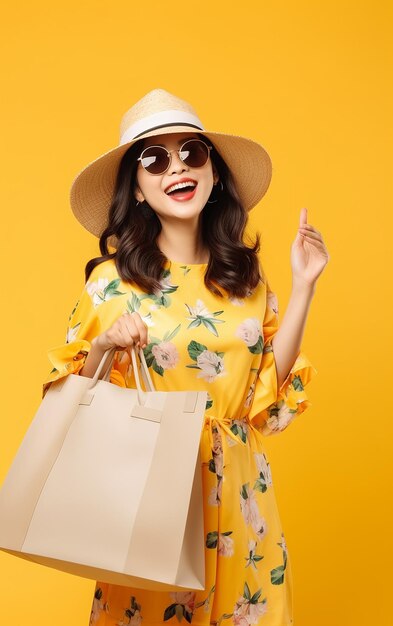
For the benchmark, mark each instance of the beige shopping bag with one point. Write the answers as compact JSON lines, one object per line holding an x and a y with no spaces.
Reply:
{"x":106,"y":483}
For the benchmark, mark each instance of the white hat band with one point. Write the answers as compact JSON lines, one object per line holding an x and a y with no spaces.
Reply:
{"x":158,"y":120}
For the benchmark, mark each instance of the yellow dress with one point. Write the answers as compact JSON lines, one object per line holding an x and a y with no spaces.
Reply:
{"x":198,"y":340}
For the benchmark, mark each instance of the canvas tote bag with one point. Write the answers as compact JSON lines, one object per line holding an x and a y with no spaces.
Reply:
{"x":106,"y":483}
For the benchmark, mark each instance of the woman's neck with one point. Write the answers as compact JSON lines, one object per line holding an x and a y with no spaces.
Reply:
{"x":181,"y":244}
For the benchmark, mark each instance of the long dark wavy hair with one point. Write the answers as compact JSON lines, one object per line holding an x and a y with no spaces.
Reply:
{"x":233,"y":265}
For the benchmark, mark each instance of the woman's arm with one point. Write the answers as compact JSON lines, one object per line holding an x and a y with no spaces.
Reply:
{"x":287,"y":341}
{"x":309,"y":257}
{"x":93,"y":360}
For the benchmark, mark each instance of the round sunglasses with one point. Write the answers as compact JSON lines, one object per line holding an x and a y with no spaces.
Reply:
{"x":157,"y":159}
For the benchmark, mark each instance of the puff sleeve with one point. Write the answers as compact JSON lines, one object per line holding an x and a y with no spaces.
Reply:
{"x":273,"y":409}
{"x":83,"y":326}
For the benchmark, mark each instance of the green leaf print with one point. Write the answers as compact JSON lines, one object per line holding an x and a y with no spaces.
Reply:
{"x":157,"y":368}
{"x":209,"y":324}
{"x":162,"y":354}
{"x":162,"y":298}
{"x":297,"y":383}
{"x":185,"y":269}
{"x":244,"y":491}
{"x":277,"y":575}
{"x":149,"y":357}
{"x":238,"y":430}
{"x":98,"y":593}
{"x":257,"y":348}
{"x":168,"y":336}
{"x":260,"y":484}
{"x":195,"y":349}
{"x":212,"y":539}
{"x":134,"y":303}
{"x":170,"y":611}
{"x":209,"y":363}
{"x":256,"y":596}
{"x":251,"y":560}
{"x":111,"y":289}
{"x":194,"y":323}
{"x":73,"y":311}
{"x":212,"y":466}
{"x":200,"y":315}
{"x":247,"y":593}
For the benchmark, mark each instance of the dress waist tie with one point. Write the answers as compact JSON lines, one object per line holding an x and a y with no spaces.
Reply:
{"x":223,"y":422}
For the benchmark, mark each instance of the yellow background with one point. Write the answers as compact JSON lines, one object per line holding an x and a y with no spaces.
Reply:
{"x":310,"y":81}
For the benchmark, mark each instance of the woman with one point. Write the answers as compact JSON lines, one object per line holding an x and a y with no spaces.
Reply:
{"x":172,"y":199}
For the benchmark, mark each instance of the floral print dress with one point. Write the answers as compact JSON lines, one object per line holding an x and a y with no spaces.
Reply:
{"x":200,"y":341}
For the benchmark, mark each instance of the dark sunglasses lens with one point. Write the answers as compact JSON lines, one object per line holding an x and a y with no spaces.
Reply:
{"x":194,"y":153}
{"x":155,"y":160}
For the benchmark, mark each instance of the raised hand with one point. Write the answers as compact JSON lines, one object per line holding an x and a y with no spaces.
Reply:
{"x":309,"y":254}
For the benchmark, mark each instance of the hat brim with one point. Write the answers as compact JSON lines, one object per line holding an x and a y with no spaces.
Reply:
{"x":92,"y":189}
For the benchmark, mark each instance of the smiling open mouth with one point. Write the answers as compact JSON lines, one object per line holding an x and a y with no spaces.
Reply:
{"x":178,"y":188}
{"x":182,"y":192}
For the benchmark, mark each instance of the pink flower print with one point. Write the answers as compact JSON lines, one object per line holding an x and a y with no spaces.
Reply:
{"x":101,"y":290}
{"x":96,"y":290}
{"x":249,"y":331}
{"x":259,"y":526}
{"x":253,"y":558}
{"x":185,"y":598}
{"x":217,"y":441}
{"x":217,"y":451}
{"x":198,"y":309}
{"x":279,"y":419}
{"x":225,"y":545}
{"x":249,"y":608}
{"x":219,"y":463}
{"x":72,"y":333}
{"x":250,"y":511}
{"x":166,"y":354}
{"x":131,"y":614}
{"x":97,"y":607}
{"x":211,"y":365}
{"x":136,"y":619}
{"x":215,"y":495}
{"x":240,"y":428}
{"x":272,"y":301}
{"x":255,"y":611}
{"x":240,"y":620}
{"x":263,"y":468}
{"x":252,"y":546}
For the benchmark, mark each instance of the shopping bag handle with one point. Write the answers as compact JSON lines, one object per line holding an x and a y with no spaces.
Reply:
{"x":145,"y":370}
{"x":149,"y":386}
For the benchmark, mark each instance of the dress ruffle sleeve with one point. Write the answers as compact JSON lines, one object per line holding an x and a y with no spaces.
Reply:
{"x":83,"y":326}
{"x":273,"y":409}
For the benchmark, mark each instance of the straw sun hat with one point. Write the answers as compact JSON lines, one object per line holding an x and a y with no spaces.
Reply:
{"x":160,"y":112}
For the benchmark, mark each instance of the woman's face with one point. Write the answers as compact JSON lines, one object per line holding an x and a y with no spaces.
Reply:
{"x":154,"y":189}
